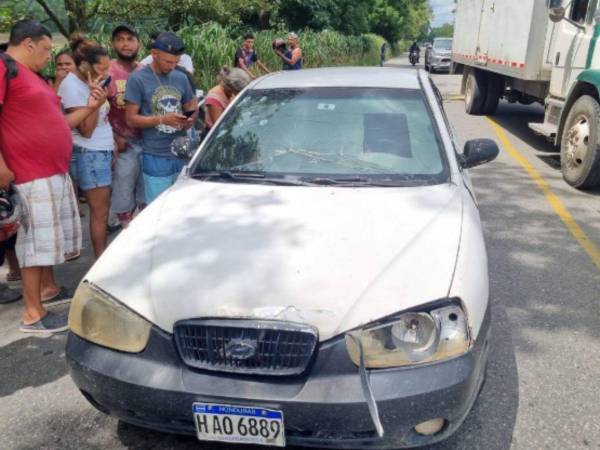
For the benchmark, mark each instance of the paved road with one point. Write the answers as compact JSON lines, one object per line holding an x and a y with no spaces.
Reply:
{"x":542,"y":387}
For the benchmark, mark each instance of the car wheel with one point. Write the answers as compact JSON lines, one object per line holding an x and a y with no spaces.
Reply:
{"x":579,"y":152}
{"x":495,"y":88}
{"x":475,"y":92}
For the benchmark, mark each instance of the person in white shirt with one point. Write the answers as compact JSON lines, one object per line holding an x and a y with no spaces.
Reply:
{"x":93,"y":141}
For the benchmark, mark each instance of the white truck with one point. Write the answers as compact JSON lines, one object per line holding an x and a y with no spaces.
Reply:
{"x":541,"y":51}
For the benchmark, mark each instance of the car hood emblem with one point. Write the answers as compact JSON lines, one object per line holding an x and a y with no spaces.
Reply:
{"x":241,"y":349}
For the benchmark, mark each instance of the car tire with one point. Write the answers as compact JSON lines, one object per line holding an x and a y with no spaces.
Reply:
{"x":579,"y":147}
{"x":475,"y":92}
{"x":495,"y":88}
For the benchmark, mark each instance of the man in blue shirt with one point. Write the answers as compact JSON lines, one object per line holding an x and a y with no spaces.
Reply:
{"x":156,"y":98}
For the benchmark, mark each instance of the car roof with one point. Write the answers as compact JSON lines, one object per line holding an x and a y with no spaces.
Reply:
{"x":374,"y":77}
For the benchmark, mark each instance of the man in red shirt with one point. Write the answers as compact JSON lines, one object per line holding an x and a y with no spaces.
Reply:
{"x":128,"y":181}
{"x":35,"y":151}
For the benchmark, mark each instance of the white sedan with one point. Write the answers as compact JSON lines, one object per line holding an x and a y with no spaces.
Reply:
{"x":317,"y":276}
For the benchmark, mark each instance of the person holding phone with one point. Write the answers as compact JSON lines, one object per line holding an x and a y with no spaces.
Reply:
{"x":156,"y":98}
{"x":93,"y":141}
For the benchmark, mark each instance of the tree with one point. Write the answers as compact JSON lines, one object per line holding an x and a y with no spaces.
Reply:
{"x":446,"y":30}
{"x":78,"y":13}
{"x":400,"y":19}
{"x":346,"y":16}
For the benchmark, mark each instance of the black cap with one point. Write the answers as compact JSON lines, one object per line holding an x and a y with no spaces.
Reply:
{"x":170,"y":43}
{"x":125,"y":27}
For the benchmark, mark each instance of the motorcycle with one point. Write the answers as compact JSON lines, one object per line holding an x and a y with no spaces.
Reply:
{"x":413,"y":58}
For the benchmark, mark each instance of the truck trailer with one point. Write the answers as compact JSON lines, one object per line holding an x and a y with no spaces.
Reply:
{"x":542,"y":51}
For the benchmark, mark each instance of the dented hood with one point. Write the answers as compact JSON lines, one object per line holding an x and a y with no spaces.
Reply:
{"x":331,"y":257}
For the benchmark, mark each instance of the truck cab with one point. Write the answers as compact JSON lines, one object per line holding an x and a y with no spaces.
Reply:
{"x":548,"y":54}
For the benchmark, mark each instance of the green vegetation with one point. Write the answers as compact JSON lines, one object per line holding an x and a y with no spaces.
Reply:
{"x":446,"y":30}
{"x":332,"y":32}
{"x":392,"y":19}
{"x":213,"y":46}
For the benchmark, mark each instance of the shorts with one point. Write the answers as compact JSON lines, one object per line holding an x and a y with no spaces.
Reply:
{"x":128,"y":181}
{"x":91,"y":168}
{"x":51,"y":225}
{"x":160,"y":173}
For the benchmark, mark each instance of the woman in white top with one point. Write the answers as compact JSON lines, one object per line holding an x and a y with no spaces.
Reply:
{"x":93,"y":141}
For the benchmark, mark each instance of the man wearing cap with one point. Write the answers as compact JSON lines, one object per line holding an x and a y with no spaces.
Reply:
{"x":156,"y":98}
{"x":185,"y":60}
{"x":128,"y":182}
{"x":292,"y":58}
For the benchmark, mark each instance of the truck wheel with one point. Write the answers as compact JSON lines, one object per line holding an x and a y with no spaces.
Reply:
{"x":579,"y":147}
{"x":495,"y":88}
{"x":475,"y":92}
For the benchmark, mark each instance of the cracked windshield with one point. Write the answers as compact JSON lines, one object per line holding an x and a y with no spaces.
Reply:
{"x":382,"y":133}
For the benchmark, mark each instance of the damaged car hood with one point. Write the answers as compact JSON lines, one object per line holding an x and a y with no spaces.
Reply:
{"x":331,"y":257}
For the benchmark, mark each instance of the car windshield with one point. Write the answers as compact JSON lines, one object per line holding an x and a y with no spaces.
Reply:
{"x":443,"y":44}
{"x":344,"y":135}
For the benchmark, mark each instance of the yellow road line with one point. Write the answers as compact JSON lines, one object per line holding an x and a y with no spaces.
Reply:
{"x":559,"y":208}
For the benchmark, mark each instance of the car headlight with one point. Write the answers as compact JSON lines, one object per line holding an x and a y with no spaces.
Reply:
{"x":98,"y":318}
{"x":412,"y":338}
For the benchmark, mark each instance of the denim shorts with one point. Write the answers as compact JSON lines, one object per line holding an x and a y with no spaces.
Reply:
{"x":91,"y":169}
{"x":160,"y":174}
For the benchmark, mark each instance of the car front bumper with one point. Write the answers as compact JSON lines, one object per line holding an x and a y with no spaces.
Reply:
{"x":441,"y":65}
{"x":325,"y":408}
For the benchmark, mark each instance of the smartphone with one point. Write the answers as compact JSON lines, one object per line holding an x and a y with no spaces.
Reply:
{"x":189,"y":114}
{"x":104,"y":83}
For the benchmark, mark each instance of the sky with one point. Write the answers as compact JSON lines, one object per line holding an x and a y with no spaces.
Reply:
{"x":442,"y":11}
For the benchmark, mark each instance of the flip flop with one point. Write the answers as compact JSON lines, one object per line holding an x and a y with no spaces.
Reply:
{"x":63,"y":295}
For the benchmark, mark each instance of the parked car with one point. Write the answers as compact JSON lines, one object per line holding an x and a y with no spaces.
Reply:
{"x":317,"y":275}
{"x":438,"y":57}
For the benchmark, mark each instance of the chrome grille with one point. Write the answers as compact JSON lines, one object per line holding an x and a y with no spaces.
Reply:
{"x":246,"y":346}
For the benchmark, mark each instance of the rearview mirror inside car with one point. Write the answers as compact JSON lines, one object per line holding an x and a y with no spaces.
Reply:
{"x":478,"y":151}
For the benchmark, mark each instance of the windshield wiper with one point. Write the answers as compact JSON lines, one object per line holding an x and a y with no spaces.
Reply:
{"x":259,"y":177}
{"x":348,"y":181}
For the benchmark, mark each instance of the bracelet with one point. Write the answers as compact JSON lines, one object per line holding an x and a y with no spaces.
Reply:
{"x":160,"y":120}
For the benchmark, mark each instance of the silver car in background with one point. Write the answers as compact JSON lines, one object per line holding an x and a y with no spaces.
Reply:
{"x":438,"y":56}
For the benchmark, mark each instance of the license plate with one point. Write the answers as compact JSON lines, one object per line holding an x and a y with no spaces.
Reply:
{"x":239,"y":424}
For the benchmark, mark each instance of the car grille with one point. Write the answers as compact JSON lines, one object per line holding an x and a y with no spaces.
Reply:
{"x":246,"y":346}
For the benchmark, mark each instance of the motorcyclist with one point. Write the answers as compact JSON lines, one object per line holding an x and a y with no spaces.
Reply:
{"x":414,"y":48}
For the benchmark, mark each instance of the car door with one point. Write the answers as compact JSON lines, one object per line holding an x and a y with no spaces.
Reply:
{"x":571,"y":44}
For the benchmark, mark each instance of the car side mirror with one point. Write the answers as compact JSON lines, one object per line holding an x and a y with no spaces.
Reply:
{"x":556,"y":10}
{"x":477,"y":152}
